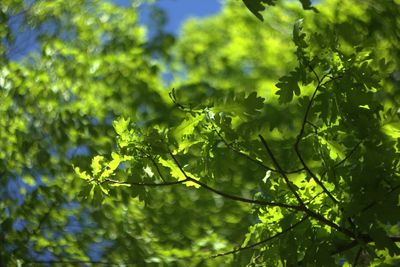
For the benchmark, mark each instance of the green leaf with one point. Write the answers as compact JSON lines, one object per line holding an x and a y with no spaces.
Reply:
{"x":114,"y":163}
{"x":82,"y":174}
{"x":121,"y":125}
{"x":257,"y":6}
{"x":308,"y":5}
{"x":187,"y":126}
{"x":299,"y":35}
{"x":104,"y":190}
{"x":97,"y":165}
{"x":382,"y":241}
{"x":177,"y":173}
{"x":392,"y":129}
{"x":91,"y":193}
{"x":240,"y":105}
{"x":299,"y":39}
{"x":287,"y":86}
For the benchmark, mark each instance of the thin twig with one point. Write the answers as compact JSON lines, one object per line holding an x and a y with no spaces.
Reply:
{"x":370,"y":205}
{"x":345,"y":159}
{"x":364,"y":238}
{"x":311,"y":213}
{"x":262,"y":241}
{"x":157,"y":168}
{"x":316,"y":75}
{"x":145,"y":184}
{"x":279,"y":168}
{"x":256,"y":161}
{"x":314,"y":126}
{"x":348,"y":155}
{"x":345,"y":247}
{"x":314,"y":197}
{"x":300,"y":136}
{"x":229,"y":196}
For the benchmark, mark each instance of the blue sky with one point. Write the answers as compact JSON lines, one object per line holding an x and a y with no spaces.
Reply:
{"x":177,"y":12}
{"x":180,"y":10}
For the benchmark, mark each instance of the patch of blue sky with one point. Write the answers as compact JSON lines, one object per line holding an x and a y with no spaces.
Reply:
{"x":97,"y":249}
{"x":178,"y":11}
{"x":81,"y":150}
{"x":19,"y":224}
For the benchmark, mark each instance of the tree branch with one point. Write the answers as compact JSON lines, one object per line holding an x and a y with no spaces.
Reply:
{"x":370,"y":205}
{"x":256,"y":161}
{"x":146,"y":184}
{"x":280,"y":170}
{"x":300,"y":136}
{"x":261,"y":242}
{"x":348,"y":155}
{"x":345,"y":247}
{"x":311,"y":213}
{"x":229,"y":196}
{"x":345,"y":159}
{"x":157,"y":168}
{"x":364,"y":238}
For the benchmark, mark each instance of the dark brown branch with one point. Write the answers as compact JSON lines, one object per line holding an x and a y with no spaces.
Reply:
{"x":230,"y":146}
{"x":345,"y":247}
{"x":157,"y":168}
{"x":345,"y":159}
{"x":315,"y":74}
{"x":314,"y":197}
{"x":315,"y":178}
{"x":229,"y":196}
{"x":314,"y":126}
{"x":311,"y":213}
{"x":262,"y":241}
{"x":300,"y":136}
{"x":241,"y":199}
{"x":187,"y":108}
{"x":279,"y":168}
{"x":256,"y":161}
{"x":364,"y":238}
{"x":146,"y":184}
{"x":348,"y":155}
{"x":370,"y":205}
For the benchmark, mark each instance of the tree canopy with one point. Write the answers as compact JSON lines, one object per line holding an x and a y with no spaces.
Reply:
{"x":238,"y":142}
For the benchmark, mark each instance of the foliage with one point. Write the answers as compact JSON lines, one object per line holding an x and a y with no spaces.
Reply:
{"x":276,"y":143}
{"x":257,"y":6}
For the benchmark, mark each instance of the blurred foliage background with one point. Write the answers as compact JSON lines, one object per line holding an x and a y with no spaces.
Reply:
{"x":93,"y":63}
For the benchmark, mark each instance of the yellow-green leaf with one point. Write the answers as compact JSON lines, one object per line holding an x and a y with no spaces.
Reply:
{"x":187,"y":126}
{"x":82,"y":174}
{"x":97,"y":165}
{"x":177,"y":173}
